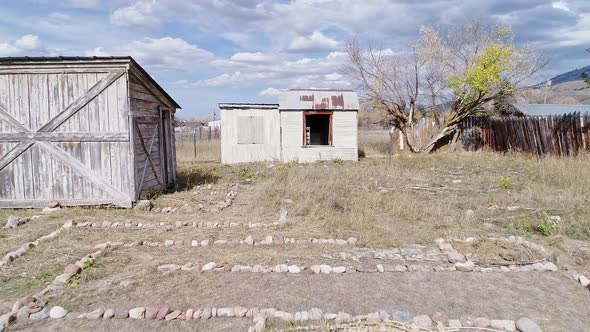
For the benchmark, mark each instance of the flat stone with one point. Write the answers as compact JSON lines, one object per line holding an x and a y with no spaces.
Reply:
{"x":294,"y":269}
{"x":108,"y":314}
{"x":503,"y":324}
{"x":352,"y":241}
{"x":23,"y":313}
{"x":440,"y":318}
{"x":401,"y":316}
{"x":72,"y":269}
{"x":367,"y":268}
{"x":343,"y":317}
{"x":41,"y":315}
{"x":121,"y":313}
{"x":173,"y":315}
{"x":373,"y":318}
{"x":162,"y":312}
{"x":225,"y":312}
{"x":197,"y":314}
{"x":137,"y":313}
{"x":527,"y":325}
{"x":456,"y":257}
{"x":584,"y":281}
{"x":249,"y":240}
{"x":95,"y":314}
{"x":240,"y":311}
{"x":57,"y":312}
{"x":481,"y":322}
{"x":468,"y":266}
{"x":208,"y":267}
{"x":206,"y":314}
{"x":422,"y":321}
{"x":168,"y":268}
{"x":7,"y":318}
{"x":188,"y":314}
{"x":325,"y":268}
{"x":315,"y":269}
{"x":455,"y":323}
{"x":204,"y":243}
{"x":315,"y":314}
{"x":384,"y":315}
{"x":168,"y":243}
{"x":339,"y":269}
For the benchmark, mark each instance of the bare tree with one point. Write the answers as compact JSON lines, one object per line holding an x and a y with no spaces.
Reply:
{"x":467,"y":67}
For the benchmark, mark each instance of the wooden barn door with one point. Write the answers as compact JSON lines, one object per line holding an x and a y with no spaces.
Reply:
{"x":64,"y":137}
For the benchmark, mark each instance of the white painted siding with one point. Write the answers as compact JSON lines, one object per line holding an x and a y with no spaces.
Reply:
{"x":267,"y":131}
{"x":344,"y":131}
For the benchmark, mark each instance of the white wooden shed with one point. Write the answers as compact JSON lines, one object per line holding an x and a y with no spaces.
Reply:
{"x":307,"y":125}
{"x":82,"y":131}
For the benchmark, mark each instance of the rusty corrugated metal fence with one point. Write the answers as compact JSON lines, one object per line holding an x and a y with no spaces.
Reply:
{"x":560,"y":135}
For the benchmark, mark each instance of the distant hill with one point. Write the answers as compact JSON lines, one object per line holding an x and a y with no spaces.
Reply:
{"x":570,"y":76}
{"x":566,"y":88}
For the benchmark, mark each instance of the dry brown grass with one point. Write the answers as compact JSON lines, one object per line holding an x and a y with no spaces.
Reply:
{"x":206,"y":151}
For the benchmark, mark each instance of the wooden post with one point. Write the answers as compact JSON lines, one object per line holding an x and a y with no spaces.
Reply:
{"x":195,"y":144}
{"x":401,"y":140}
{"x":209,"y":133}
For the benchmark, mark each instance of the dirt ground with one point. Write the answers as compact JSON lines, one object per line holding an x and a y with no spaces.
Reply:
{"x":384,"y":202}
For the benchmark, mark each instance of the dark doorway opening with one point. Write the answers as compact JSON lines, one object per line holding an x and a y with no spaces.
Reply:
{"x":318,"y":129}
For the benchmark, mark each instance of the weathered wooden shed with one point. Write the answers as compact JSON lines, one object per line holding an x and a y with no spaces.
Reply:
{"x":82,"y":131}
{"x":306,"y":126}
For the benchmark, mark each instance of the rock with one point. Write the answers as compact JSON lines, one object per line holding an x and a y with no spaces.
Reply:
{"x":72,"y":269}
{"x":194,"y":243}
{"x":57,"y":312}
{"x":143,"y":205}
{"x":468,"y":266}
{"x":456,"y":257}
{"x":455,"y":323}
{"x":121,"y":313}
{"x":373,"y":318}
{"x":168,"y":243}
{"x":108,"y":314}
{"x":137,"y":313}
{"x":152,"y":312}
{"x":422,"y":321}
{"x":583,"y":280}
{"x":168,"y":268}
{"x":339,"y":269}
{"x":527,"y":325}
{"x":162,"y":312}
{"x":12,"y":222}
{"x":481,"y":322}
{"x":401,"y":316}
{"x":502,"y":324}
{"x":208,"y":267}
{"x":96,"y":314}
{"x":343,"y":317}
{"x":204,"y":243}
{"x":367,"y":267}
{"x":315,"y":314}
{"x":197,"y":314}
{"x":189,"y":313}
{"x":294,"y":269}
{"x":1,"y":327}
{"x":225,"y":312}
{"x":240,"y":311}
{"x":7,"y":318}
{"x":315,"y":269}
{"x":341,"y":242}
{"x":283,"y":216}
{"x":466,"y":321}
{"x":384,"y":315}
{"x":23,"y":313}
{"x":173,"y":315}
{"x":352,"y":241}
{"x":68,"y":224}
{"x":41,"y":315}
{"x":249,"y":240}
{"x":325,"y":268}
{"x":206,"y":314}
{"x":440,"y":318}
{"x":53,"y":204}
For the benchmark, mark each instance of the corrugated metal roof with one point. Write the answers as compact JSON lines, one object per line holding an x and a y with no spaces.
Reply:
{"x":551,"y":109}
{"x":318,"y":99}
{"x":247,"y":106}
{"x":7,"y":61}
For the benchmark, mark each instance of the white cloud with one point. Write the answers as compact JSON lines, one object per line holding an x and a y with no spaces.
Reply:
{"x":252,"y":57}
{"x":561,"y":5}
{"x":27,"y":42}
{"x":58,"y":18}
{"x":84,"y":4}
{"x":316,"y":42}
{"x":25,"y":45}
{"x":165,"y":53}
{"x":270,"y":92}
{"x":142,"y":14}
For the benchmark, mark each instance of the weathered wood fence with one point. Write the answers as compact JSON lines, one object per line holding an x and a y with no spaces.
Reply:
{"x":188,"y":139}
{"x":559,"y":135}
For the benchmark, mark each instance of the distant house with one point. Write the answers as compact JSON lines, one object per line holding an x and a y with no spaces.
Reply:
{"x":306,"y":126}
{"x":551,"y":109}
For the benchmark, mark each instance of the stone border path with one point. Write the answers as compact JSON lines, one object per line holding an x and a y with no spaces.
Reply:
{"x":131,"y":224}
{"x":394,"y":317}
{"x":11,"y":256}
{"x":249,"y":240}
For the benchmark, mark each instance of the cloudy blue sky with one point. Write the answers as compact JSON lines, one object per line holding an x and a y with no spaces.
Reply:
{"x":209,"y":51}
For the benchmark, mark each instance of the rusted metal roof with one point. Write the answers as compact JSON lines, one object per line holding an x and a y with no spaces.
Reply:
{"x":230,"y":106}
{"x":319,"y":99}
